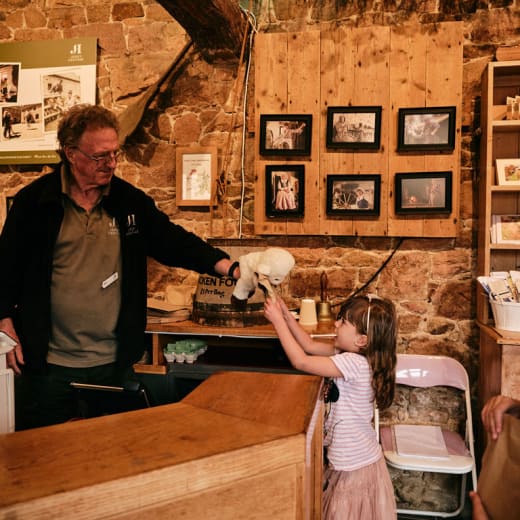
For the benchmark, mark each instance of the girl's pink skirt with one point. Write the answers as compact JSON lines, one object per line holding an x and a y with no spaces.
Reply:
{"x":364,"y":494}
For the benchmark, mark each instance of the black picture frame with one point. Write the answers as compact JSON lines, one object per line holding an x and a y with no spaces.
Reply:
{"x":430,"y":129}
{"x":423,"y":193}
{"x":356,"y":195}
{"x":287,"y":135}
{"x":354,"y":128}
{"x":285,"y":190}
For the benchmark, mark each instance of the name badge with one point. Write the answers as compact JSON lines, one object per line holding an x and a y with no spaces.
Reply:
{"x":110,"y":280}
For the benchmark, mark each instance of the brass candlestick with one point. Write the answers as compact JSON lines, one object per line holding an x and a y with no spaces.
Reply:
{"x":324,"y":313}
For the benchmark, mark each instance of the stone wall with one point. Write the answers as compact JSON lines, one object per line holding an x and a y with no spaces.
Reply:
{"x":431,"y":280}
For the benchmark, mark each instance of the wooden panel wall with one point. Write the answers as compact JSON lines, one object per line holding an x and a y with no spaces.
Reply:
{"x":287,"y":68}
{"x":403,"y":67}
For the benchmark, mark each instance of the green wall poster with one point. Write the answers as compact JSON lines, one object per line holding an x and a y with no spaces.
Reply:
{"x":39,"y":81}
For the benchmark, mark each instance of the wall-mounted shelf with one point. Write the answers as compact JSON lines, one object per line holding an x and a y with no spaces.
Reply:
{"x":500,"y":140}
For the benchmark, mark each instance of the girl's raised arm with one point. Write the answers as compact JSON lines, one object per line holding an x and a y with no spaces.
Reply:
{"x":311,"y":364}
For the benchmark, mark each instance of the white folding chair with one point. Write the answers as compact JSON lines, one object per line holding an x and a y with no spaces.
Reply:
{"x":412,"y":450}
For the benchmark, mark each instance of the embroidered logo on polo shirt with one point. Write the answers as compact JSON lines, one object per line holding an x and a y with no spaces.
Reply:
{"x":131,"y":225}
{"x":113,"y":228}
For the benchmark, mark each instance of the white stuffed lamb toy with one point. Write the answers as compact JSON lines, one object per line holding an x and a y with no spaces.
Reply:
{"x":265,"y":268}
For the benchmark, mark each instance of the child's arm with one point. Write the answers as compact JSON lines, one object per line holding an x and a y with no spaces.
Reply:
{"x":318,"y":365}
{"x":309,"y":345}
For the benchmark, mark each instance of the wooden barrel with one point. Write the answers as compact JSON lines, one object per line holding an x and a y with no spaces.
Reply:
{"x":212,"y":304}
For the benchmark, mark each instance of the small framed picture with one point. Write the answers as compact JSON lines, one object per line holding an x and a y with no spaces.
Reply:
{"x":353,"y":195}
{"x":508,"y":172}
{"x":505,"y":229}
{"x":423,"y":192}
{"x":426,"y":129}
{"x":285,"y":134}
{"x":196,"y":176}
{"x":354,"y":128}
{"x":9,"y":78}
{"x":285,"y":190}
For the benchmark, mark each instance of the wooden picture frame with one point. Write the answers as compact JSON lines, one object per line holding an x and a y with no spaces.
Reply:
{"x":286,"y":135}
{"x":429,"y":192}
{"x":196,"y":175}
{"x":430,"y":129}
{"x":356,"y":195}
{"x":354,"y":128}
{"x":508,"y":172}
{"x":505,"y":229}
{"x":285,"y":190}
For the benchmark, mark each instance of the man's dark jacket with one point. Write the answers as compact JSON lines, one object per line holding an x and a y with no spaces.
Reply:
{"x":26,"y":252}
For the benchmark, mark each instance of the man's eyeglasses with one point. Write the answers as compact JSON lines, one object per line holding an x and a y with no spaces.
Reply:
{"x":102,"y":157}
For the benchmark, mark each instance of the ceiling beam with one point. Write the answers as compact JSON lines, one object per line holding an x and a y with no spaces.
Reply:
{"x":216,"y":26}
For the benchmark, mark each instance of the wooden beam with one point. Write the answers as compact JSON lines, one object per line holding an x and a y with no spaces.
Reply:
{"x":215,"y":26}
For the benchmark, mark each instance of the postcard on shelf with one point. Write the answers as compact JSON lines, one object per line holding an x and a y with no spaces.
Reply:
{"x":502,"y":286}
{"x":508,"y":172}
{"x":506,"y":229}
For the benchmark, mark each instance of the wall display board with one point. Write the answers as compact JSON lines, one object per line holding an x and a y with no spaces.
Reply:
{"x":39,"y":81}
{"x":349,"y":72}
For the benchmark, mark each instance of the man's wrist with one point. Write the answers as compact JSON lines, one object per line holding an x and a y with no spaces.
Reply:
{"x":232,"y":268}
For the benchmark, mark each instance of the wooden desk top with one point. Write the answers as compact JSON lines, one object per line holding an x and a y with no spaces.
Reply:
{"x":256,"y":331}
{"x":228,"y":412}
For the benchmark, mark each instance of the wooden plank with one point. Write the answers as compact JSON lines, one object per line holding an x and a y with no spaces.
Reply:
{"x":508,"y":53}
{"x":363,"y":52}
{"x":407,"y":90}
{"x":297,"y":92}
{"x":246,"y":498}
{"x":271,"y":59}
{"x":336,"y":90}
{"x":303,"y":98}
{"x":444,"y":88}
{"x":371,"y":74}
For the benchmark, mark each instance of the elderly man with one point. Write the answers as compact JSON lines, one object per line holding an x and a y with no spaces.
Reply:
{"x":73,"y":278}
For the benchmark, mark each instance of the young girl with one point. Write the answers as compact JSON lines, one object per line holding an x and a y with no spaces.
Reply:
{"x":361,"y":365}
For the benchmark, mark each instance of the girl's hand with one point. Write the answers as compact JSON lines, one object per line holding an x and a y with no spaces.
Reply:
{"x":273,"y":310}
{"x":283,"y":307}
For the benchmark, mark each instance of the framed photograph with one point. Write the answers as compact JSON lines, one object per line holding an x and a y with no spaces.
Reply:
{"x":426,"y":129}
{"x":353,"y":195}
{"x":505,"y":229}
{"x":423,"y":192}
{"x":354,"y":128}
{"x":285,"y":134}
{"x":508,"y":172}
{"x":285,"y":190}
{"x":196,"y":176}
{"x":9,"y":79}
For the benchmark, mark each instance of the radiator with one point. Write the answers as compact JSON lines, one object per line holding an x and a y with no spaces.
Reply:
{"x":6,"y":386}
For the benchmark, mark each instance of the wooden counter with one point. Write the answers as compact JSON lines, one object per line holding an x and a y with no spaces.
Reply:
{"x":242,"y":445}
